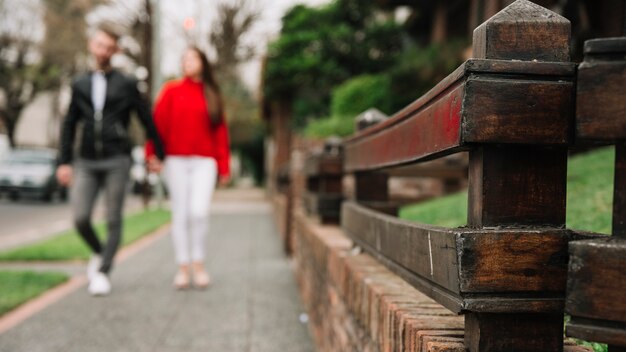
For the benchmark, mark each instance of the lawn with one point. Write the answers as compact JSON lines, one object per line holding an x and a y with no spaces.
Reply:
{"x":17,"y":287}
{"x":589,"y":197}
{"x":589,"y":201}
{"x":69,"y":246}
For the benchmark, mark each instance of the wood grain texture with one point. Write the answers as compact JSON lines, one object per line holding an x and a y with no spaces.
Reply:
{"x":530,"y":260}
{"x":505,"y":270}
{"x":523,"y":31}
{"x":517,"y":186}
{"x":600,"y":103}
{"x":596,"y":286}
{"x":505,"y":110}
{"x":517,"y":333}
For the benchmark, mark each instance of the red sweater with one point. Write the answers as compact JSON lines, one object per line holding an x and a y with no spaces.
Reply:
{"x":182,"y":120}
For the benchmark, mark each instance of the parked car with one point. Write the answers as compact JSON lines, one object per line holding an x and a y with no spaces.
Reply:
{"x":30,"y":172}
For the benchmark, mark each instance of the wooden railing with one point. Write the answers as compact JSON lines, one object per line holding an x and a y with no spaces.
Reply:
{"x":516,"y":108}
{"x":596,"y":288}
{"x":512,"y":108}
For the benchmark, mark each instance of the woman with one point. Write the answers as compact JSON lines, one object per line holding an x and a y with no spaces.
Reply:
{"x":189,"y":117}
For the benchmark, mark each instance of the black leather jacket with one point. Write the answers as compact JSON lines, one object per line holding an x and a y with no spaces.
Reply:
{"x":105,"y":135}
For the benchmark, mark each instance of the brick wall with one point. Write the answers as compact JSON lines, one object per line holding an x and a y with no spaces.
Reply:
{"x":356,"y":304}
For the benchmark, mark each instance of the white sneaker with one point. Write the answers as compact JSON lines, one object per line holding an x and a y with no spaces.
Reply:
{"x":93,"y":266}
{"x":99,"y":285}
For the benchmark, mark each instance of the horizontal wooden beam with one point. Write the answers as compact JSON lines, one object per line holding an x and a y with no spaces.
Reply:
{"x":323,"y":164}
{"x":479,"y":270}
{"x":597,"y":330}
{"x":596,"y":287}
{"x":483,"y":101}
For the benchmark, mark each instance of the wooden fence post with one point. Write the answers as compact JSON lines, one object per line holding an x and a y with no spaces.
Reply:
{"x":324,"y":182}
{"x":372,"y":188}
{"x":596,"y":282}
{"x":517,"y":185}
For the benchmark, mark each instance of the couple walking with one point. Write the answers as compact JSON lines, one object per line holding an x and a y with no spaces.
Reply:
{"x":187,"y":138}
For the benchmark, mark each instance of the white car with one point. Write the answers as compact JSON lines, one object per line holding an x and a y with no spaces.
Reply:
{"x":30,"y":172}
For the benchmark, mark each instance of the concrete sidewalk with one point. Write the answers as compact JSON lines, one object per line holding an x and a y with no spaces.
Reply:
{"x":252,"y":305}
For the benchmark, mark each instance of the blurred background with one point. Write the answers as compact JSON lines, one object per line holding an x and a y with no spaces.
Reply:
{"x":316,"y":63}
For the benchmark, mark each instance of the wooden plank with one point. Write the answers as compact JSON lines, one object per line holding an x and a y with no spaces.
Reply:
{"x":505,"y":110}
{"x":531,"y":260}
{"x":601,"y":107}
{"x":597,"y":281}
{"x":597,"y":330}
{"x":536,"y":69}
{"x":605,"y":46}
{"x":428,"y":251}
{"x":483,"y":101}
{"x":600,"y":103}
{"x":428,"y":129}
{"x":505,"y":270}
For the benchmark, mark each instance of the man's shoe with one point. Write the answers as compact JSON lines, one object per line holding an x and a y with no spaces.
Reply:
{"x":100,"y":285}
{"x":93,"y":267}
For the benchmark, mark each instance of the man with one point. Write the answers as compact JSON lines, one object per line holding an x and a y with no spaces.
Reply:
{"x":101,"y":103}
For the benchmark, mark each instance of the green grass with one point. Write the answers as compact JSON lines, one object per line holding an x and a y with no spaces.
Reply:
{"x":17,"y":287}
{"x":69,"y":246}
{"x":589,"y":202}
{"x":589,"y":197}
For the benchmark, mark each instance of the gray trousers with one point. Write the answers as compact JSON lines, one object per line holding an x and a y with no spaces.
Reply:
{"x":91,"y":176}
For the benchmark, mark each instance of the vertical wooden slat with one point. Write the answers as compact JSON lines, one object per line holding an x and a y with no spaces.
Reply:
{"x":518,"y":185}
{"x":619,"y":191}
{"x":619,"y":194}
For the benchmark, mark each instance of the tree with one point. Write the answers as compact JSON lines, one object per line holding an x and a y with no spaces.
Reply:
{"x":28,"y":64}
{"x":234,"y":21}
{"x":21,"y":75}
{"x":319,"y":48}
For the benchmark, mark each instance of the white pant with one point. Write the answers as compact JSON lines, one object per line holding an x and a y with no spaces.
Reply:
{"x":190,"y":181}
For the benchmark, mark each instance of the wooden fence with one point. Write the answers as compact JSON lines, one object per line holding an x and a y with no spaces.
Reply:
{"x":513,"y":108}
{"x":596,"y":287}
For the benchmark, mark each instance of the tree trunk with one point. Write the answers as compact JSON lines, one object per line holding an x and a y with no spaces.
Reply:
{"x":10,"y":126}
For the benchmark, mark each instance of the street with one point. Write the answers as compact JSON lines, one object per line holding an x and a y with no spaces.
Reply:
{"x":29,"y":220}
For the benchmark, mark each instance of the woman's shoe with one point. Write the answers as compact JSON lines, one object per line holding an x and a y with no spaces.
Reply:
{"x":201,"y":279}
{"x":181,"y":280}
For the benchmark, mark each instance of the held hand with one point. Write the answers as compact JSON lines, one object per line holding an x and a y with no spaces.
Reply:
{"x":154,"y":164}
{"x":64,"y":175}
{"x":223,"y":181}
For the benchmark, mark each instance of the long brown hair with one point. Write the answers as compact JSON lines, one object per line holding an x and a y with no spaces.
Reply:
{"x":212,"y":93}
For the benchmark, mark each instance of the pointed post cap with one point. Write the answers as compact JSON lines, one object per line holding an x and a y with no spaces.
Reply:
{"x":523,"y":31}
{"x":369,"y":118}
